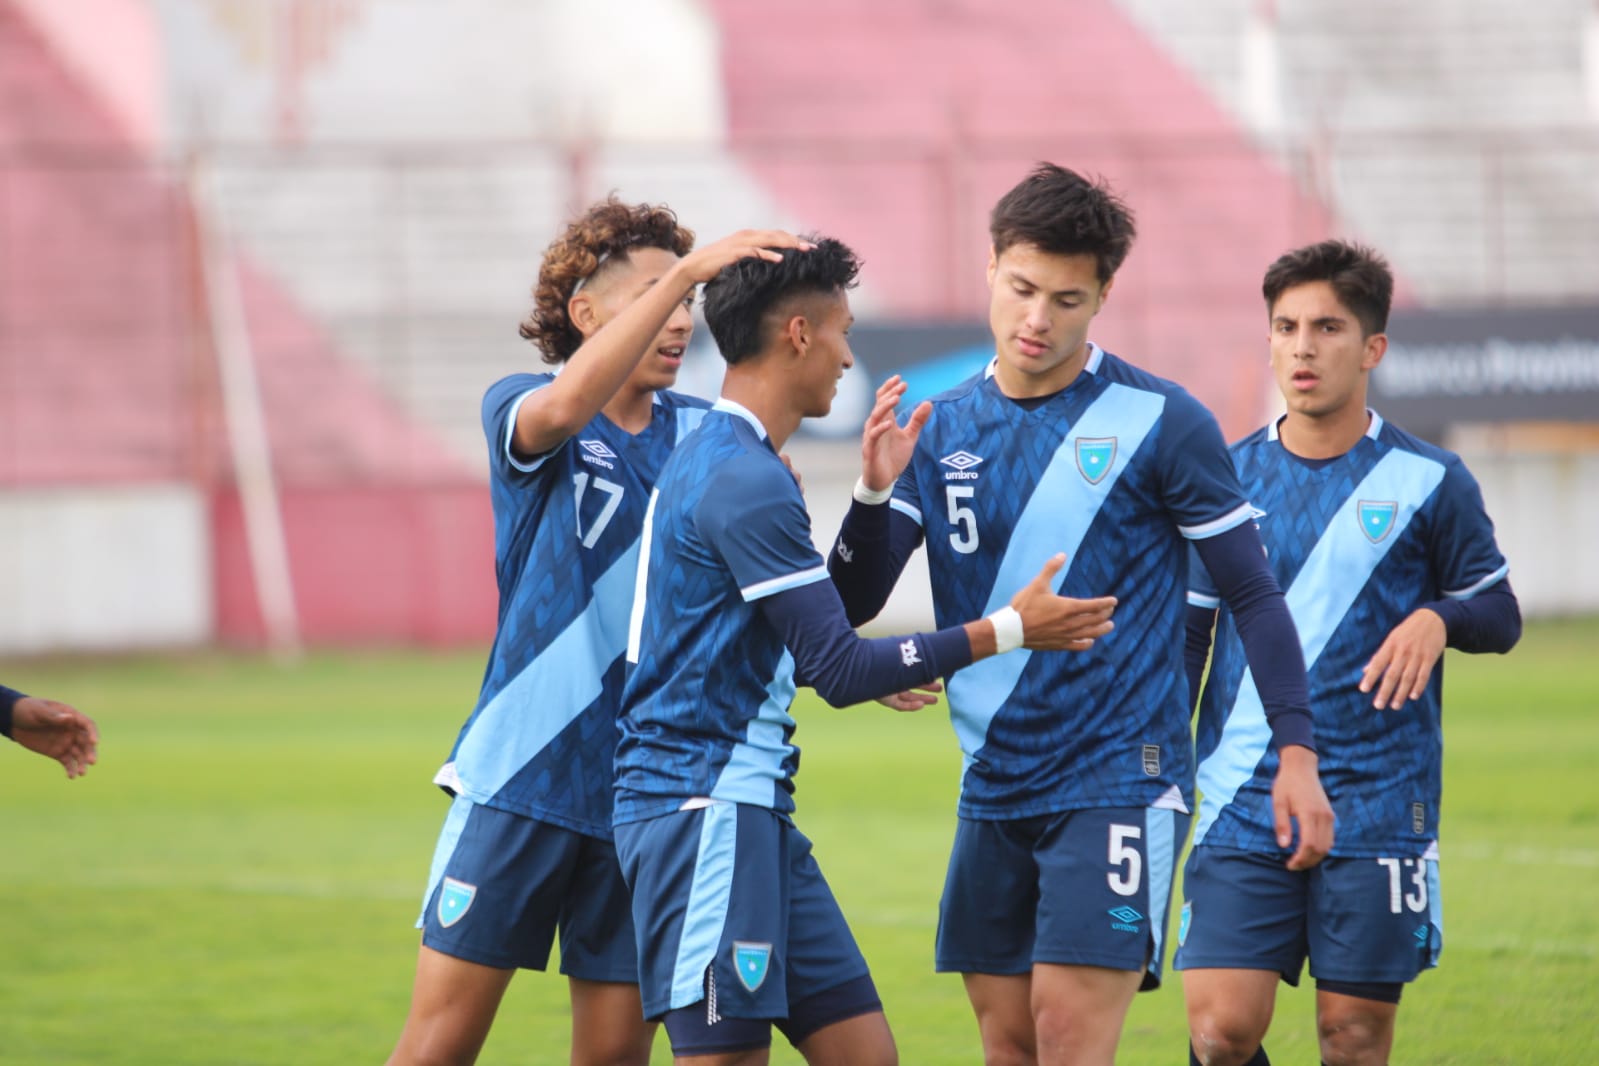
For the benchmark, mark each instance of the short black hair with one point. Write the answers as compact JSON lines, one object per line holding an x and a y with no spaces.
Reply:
{"x":1063,"y":213}
{"x":740,"y":299}
{"x":1359,"y":276}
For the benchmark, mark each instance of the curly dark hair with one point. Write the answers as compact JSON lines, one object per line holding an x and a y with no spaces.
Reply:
{"x":605,"y":231}
{"x":1358,"y":275}
{"x":1060,"y":212}
{"x":739,"y":298}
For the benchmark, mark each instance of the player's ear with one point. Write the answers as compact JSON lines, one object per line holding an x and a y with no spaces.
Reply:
{"x":1376,"y":348}
{"x":584,"y":314}
{"x":798,"y":332}
{"x":993,"y":265}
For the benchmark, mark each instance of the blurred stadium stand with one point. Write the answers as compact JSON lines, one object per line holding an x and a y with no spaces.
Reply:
{"x":390,"y":171}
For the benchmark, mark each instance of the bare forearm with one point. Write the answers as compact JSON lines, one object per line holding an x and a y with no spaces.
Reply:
{"x":599,"y":367}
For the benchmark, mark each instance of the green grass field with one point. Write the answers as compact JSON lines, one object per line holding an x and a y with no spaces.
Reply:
{"x":236,"y":881}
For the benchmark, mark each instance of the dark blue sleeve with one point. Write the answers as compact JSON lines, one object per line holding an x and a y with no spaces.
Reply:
{"x":1200,"y":485}
{"x":846,"y":669}
{"x":1488,"y":621}
{"x":1198,"y":623}
{"x":1236,"y":562}
{"x":1465,"y":558}
{"x":874,"y":543}
{"x":500,"y":404}
{"x":755,"y":519}
{"x":8,"y":703}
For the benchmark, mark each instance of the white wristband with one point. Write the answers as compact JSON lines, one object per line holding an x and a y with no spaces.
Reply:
{"x":1008,"y":633}
{"x":871,"y":497}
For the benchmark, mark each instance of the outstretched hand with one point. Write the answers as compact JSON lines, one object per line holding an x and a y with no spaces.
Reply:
{"x":1052,"y":622}
{"x":56,"y":731}
{"x":887,"y":446}
{"x":914,"y":699}
{"x":703,"y":264}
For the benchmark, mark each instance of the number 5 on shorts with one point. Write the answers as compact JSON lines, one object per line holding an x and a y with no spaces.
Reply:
{"x":1125,"y":882}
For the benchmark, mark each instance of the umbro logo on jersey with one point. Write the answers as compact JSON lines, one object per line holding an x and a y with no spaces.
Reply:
{"x":1376,"y":518}
{"x":1095,"y":457}
{"x":961,"y":463}
{"x":595,"y":451}
{"x":907,"y":653}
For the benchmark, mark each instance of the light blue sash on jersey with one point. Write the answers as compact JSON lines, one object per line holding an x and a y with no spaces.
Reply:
{"x":560,"y":683}
{"x":1056,"y":518}
{"x":1327,"y":585}
{"x":753,"y":768}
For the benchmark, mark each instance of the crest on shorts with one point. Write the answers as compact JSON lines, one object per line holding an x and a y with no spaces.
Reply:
{"x":455,"y":899}
{"x":1377,"y":518}
{"x":751,"y":960}
{"x":1095,"y":456}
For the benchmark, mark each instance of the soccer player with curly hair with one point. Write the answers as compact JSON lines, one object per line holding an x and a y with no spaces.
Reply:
{"x":573,"y":456}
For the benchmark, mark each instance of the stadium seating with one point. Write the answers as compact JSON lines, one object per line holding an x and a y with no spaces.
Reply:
{"x":109,"y":377}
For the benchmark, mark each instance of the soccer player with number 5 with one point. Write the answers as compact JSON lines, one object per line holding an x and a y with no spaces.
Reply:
{"x":1387,"y":556}
{"x":1079,"y":768}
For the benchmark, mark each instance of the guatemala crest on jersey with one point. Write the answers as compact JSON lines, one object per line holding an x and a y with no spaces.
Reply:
{"x":1095,"y":456}
{"x":455,"y":898}
{"x":751,"y":960}
{"x":1377,"y":518}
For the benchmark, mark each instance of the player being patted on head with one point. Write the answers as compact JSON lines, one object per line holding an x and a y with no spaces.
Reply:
{"x":526,"y":847}
{"x":737,"y":928}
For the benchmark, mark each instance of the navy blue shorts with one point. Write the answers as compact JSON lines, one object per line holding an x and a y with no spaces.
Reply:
{"x":502,"y":883}
{"x":1080,"y":888}
{"x":1358,"y":920}
{"x":733,"y":913}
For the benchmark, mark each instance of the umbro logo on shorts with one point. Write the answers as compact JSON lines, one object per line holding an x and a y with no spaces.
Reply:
{"x":1127,"y":919}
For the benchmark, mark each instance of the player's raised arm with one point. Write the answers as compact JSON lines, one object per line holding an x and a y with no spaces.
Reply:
{"x":609,"y":352}
{"x":886,"y":445}
{"x":873,"y":546}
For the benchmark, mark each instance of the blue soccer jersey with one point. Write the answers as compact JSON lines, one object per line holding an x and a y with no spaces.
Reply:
{"x":707,"y":700}
{"x":542,"y":737}
{"x":1116,"y":471}
{"x":1357,"y":543}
